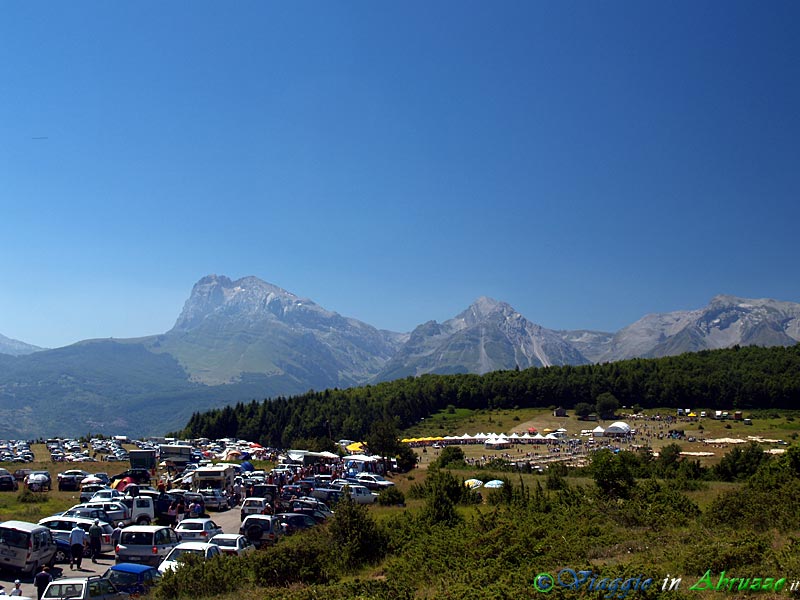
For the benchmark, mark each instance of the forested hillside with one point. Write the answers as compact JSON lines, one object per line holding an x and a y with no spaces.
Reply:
{"x":747,"y":377}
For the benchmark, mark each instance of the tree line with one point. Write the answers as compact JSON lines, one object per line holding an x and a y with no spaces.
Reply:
{"x":736,"y":378}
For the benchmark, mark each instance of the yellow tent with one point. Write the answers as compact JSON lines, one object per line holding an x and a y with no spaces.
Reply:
{"x":355,"y":447}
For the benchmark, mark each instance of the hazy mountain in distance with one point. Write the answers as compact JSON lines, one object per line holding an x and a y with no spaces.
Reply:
{"x":591,"y":344}
{"x":228,"y":328}
{"x":726,"y":321}
{"x":488,"y":336}
{"x":15,"y":347}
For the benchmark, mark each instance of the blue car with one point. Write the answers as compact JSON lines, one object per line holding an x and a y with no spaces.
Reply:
{"x":133,"y":578}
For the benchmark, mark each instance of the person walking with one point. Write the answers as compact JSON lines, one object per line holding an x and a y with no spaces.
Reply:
{"x":116,"y":534}
{"x":41,"y":581}
{"x":95,"y":536}
{"x":77,"y":541}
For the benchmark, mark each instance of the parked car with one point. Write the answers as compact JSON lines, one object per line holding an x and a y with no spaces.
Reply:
{"x":117,"y":512}
{"x":261,"y":530}
{"x":232,"y":543}
{"x":202,"y":550}
{"x":106,"y":495}
{"x":294,"y":522}
{"x":70,"y":481}
{"x":214,"y":499}
{"x":25,"y":546}
{"x":254,"y":506}
{"x":141,"y":509}
{"x":376,"y":483}
{"x":310,"y":503}
{"x":83,"y":588}
{"x":21,"y":474}
{"x":135,"y":579}
{"x":60,"y":526}
{"x":40,"y":480}
{"x":200,"y":530}
{"x":90,"y":489}
{"x":360,"y":494}
{"x":7,"y":481}
{"x":86,"y":512}
{"x":328,"y":495}
{"x":145,"y":544}
{"x":63,"y":551}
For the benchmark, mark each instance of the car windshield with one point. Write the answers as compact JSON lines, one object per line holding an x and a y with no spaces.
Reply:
{"x":178,"y":552}
{"x":224,"y":542}
{"x":122,"y":578}
{"x":191,"y":526}
{"x":14,"y":538}
{"x":136,"y":538}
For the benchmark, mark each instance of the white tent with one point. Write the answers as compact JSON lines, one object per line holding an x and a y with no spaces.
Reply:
{"x":618,"y":428}
{"x":598,"y":431}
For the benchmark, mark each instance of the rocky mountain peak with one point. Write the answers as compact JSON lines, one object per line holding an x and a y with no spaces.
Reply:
{"x":246,"y":297}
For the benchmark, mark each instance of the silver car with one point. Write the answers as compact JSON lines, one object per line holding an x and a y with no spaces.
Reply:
{"x":145,"y":544}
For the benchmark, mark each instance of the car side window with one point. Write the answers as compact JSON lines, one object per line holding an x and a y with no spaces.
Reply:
{"x":173,"y":536}
{"x":160,"y":538}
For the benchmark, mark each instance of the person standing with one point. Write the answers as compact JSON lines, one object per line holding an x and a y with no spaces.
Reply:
{"x":17,"y":591}
{"x":77,"y":541}
{"x":42,"y":579}
{"x":95,"y":535}
{"x":116,"y":534}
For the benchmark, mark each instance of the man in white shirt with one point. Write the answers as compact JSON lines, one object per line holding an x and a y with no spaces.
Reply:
{"x":77,"y":541}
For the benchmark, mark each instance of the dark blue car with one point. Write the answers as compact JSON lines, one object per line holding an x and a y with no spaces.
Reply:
{"x":133,"y":578}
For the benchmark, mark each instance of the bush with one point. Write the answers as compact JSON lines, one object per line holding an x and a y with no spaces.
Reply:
{"x":28,"y":497}
{"x":451,"y":456}
{"x":355,"y":536}
{"x":391,"y":497}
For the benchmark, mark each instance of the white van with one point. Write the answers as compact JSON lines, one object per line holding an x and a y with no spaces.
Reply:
{"x":25,"y":546}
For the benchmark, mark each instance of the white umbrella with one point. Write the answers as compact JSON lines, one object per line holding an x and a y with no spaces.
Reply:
{"x":493,"y":484}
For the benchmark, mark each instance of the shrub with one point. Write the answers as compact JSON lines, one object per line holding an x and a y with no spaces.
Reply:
{"x":451,"y":456}
{"x":355,"y":536}
{"x":391,"y":497}
{"x":28,"y":497}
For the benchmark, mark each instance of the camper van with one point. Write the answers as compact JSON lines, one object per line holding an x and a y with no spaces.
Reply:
{"x":25,"y":546}
{"x":217,"y":477}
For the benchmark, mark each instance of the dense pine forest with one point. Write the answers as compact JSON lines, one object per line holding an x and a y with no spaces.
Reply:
{"x":736,"y":378}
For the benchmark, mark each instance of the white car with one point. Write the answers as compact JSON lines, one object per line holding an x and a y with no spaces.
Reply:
{"x":109,"y":495}
{"x":254,"y":506}
{"x":199,"y":530}
{"x":201,"y":549}
{"x":374,"y":482}
{"x":232,"y":543}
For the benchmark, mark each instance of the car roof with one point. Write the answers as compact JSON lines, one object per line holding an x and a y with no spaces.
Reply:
{"x":194,"y":545}
{"x":131,"y":568}
{"x":227,"y":536}
{"x":198,"y":520}
{"x":146,"y":528}
{"x":76,"y":519}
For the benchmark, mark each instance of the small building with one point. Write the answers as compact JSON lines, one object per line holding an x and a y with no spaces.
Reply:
{"x":560,"y":412}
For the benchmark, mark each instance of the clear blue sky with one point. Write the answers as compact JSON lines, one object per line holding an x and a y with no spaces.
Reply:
{"x":586,"y":162}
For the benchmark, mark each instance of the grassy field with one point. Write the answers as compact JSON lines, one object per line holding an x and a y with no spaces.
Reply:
{"x":48,"y":503}
{"x":771,"y":425}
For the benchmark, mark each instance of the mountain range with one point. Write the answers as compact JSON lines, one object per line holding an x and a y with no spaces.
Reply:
{"x":15,"y":347}
{"x":248,"y":339}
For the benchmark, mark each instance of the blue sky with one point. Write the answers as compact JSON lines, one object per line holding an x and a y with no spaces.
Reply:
{"x":586,"y":162}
